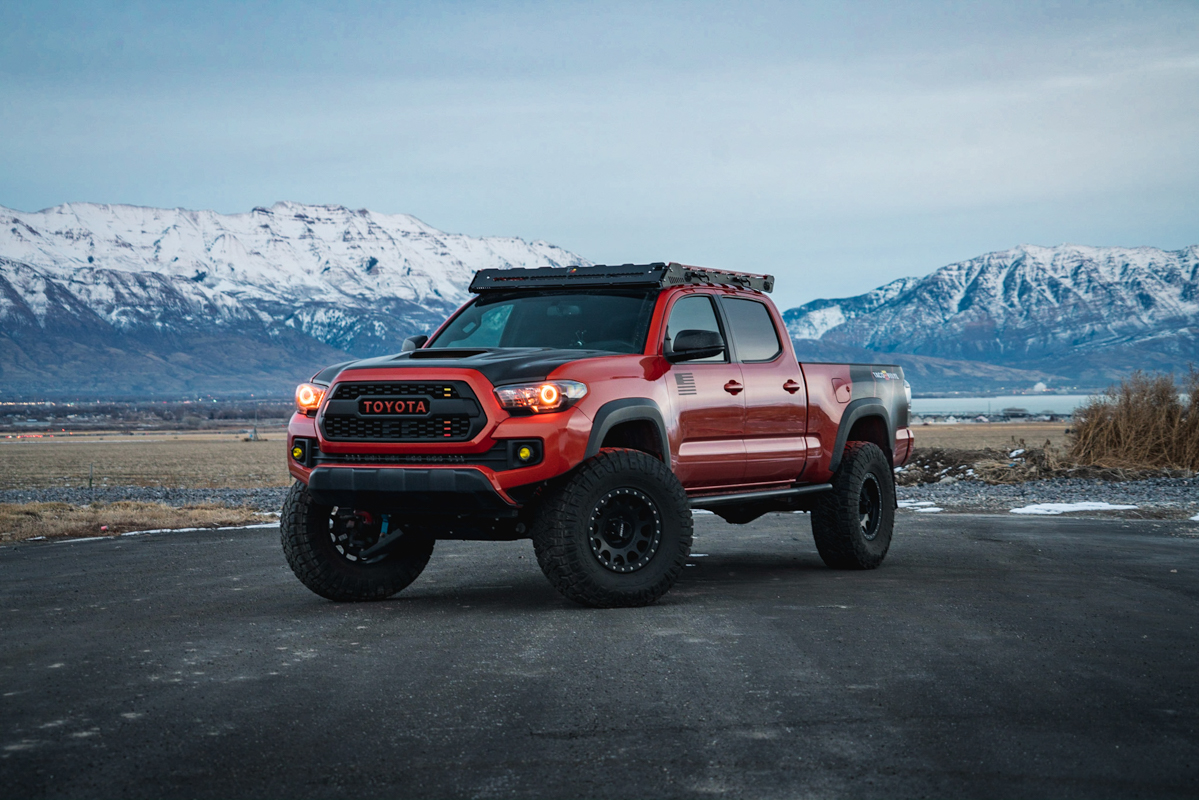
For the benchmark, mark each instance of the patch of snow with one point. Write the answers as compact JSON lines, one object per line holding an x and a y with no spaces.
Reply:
{"x":929,"y":510}
{"x":915,"y":503}
{"x":1195,"y":518}
{"x":1015,"y":453}
{"x":695,"y":511}
{"x":817,"y":322}
{"x":1066,"y":508}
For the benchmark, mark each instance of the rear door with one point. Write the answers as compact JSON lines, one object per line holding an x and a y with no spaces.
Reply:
{"x":775,"y":396}
{"x":707,"y":395}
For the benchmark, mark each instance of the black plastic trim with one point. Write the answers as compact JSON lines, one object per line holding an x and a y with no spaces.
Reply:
{"x":713,"y":501}
{"x":418,"y":491}
{"x":856,"y":410}
{"x":628,"y":409}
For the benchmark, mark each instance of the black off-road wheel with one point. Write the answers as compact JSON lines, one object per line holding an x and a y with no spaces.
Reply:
{"x":335,"y":551}
{"x":616,"y":533}
{"x":852,"y":524}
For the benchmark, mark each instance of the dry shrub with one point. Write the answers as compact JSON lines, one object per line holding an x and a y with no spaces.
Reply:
{"x":1137,"y":430}
{"x":931,"y":464}
{"x":53,"y":520}
{"x":935,"y":464}
{"x":1140,"y":424}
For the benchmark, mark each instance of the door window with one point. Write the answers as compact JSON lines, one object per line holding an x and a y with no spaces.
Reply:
{"x":694,"y":313}
{"x":753,"y":330}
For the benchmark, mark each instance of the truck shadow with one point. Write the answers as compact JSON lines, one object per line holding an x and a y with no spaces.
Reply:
{"x":743,"y":572}
{"x":749,"y":569}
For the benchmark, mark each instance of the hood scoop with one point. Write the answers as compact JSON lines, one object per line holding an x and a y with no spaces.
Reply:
{"x":444,"y":353}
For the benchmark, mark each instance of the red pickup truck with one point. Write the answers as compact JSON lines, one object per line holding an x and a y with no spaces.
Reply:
{"x":589,"y":409}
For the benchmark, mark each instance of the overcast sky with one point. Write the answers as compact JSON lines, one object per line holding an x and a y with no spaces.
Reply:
{"x":838,"y":146}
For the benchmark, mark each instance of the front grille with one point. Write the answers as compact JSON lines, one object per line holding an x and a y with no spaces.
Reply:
{"x":352,"y":391}
{"x":439,"y":428}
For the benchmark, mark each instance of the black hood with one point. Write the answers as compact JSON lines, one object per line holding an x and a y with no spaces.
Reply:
{"x":498,"y":365}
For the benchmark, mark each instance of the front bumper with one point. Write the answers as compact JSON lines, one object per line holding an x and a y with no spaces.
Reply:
{"x":410,"y":490}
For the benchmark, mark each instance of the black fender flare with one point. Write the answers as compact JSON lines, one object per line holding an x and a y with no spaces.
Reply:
{"x":856,"y":410}
{"x":627,"y":409}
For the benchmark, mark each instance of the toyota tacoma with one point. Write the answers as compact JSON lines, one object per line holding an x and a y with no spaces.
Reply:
{"x":589,"y":409}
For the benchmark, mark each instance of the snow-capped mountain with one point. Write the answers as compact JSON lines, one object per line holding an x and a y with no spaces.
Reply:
{"x":307,"y":282}
{"x":1086,"y":313}
{"x":118,"y":300}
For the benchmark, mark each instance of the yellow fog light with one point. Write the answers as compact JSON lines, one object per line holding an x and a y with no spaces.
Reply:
{"x":524,"y":453}
{"x":297,"y":452}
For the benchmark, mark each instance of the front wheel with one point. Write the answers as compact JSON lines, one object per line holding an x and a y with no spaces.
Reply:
{"x":616,"y":533}
{"x":344,"y":554}
{"x":852,"y":524}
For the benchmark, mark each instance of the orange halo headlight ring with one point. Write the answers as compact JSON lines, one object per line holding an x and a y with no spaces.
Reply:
{"x":540,"y":398}
{"x":309,"y":396}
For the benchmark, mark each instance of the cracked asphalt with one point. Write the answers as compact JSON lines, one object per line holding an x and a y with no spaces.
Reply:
{"x":988,"y":657}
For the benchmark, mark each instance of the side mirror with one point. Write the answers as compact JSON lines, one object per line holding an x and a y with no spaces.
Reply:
{"x":690,"y":345}
{"x":413,"y":343}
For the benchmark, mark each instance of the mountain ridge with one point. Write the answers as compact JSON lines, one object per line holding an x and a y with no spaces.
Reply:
{"x":1078,"y":313}
{"x":304,"y":283}
{"x":121,"y":299}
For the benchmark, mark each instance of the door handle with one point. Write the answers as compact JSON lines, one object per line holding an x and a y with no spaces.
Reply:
{"x":732,"y":387}
{"x":792,"y":387}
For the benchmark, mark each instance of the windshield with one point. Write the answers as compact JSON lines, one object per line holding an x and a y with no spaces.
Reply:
{"x":613,"y":320}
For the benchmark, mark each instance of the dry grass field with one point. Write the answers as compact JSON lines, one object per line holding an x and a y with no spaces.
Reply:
{"x":176,"y":460}
{"x":996,"y":435}
{"x":207,"y":460}
{"x":52,"y":520}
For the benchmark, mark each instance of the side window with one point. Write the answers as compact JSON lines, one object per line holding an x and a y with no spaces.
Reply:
{"x":694,"y":313}
{"x":753,"y":330}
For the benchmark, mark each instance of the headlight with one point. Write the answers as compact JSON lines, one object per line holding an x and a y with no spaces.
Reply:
{"x":539,"y":398}
{"x":308,"y":397}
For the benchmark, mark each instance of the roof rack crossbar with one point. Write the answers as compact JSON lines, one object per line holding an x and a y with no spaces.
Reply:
{"x":658,"y":274}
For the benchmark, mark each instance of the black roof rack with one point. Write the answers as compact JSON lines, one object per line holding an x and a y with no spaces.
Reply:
{"x":658,"y":274}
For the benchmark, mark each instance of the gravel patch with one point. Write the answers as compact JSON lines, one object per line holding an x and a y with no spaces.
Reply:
{"x":1165,"y":497}
{"x":261,"y":499}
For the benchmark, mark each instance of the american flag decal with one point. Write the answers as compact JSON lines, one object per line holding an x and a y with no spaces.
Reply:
{"x":685,"y":382}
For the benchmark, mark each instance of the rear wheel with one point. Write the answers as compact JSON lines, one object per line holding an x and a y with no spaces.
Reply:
{"x":852,"y":524}
{"x":344,"y":554}
{"x":616,"y":533}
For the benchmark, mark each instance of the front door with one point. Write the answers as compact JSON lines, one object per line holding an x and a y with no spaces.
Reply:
{"x":775,"y":398}
{"x":707,"y":396}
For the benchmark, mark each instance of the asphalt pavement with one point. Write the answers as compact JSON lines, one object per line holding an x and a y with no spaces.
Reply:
{"x":989,"y":657}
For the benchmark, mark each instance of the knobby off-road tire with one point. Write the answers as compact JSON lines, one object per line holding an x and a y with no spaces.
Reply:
{"x":852,"y":524}
{"x":305,"y":531}
{"x":616,"y":532}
